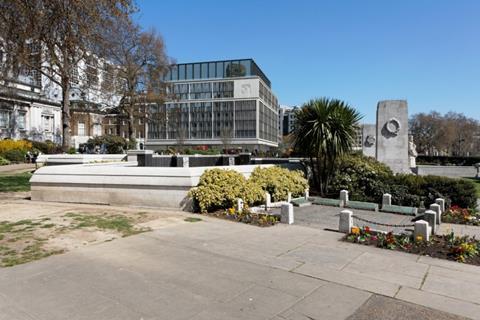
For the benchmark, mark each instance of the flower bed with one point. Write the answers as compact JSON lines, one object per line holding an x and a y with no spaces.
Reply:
{"x":459,"y":215}
{"x":450,"y":247}
{"x":246,"y":216}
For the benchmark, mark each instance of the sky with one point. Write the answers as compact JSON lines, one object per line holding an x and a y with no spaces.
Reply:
{"x":359,"y":51}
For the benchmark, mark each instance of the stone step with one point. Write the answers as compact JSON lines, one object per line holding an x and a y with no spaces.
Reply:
{"x":327,"y":202}
{"x":410,"y":211}
{"x":362,"y":205}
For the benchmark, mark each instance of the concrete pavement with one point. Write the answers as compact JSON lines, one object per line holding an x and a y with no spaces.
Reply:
{"x":215,"y":269}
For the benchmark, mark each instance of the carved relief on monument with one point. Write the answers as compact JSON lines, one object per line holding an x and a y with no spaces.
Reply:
{"x":370,"y":141}
{"x":391,"y":128}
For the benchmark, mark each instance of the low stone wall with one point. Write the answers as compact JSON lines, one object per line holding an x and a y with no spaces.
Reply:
{"x":62,"y":159}
{"x":121,"y":183}
{"x":447,"y":171}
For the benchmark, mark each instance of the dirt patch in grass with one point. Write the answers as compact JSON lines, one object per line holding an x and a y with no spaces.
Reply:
{"x":32,"y":239}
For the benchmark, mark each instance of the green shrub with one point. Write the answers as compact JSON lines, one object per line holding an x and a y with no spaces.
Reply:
{"x":15,"y":155}
{"x":365,"y":178}
{"x":72,"y":150}
{"x":113,"y":144}
{"x":279,"y":181}
{"x":47,"y":147}
{"x":219,"y":189}
{"x":3,"y":161}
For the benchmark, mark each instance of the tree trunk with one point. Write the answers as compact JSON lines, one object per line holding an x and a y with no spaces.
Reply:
{"x":66,"y":115}
{"x":131,"y":124}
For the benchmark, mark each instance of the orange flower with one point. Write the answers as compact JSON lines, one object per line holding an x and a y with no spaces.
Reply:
{"x":355,"y":230}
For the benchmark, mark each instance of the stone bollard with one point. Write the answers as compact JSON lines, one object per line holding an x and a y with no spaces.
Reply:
{"x":441,"y":203}
{"x":289,"y":197}
{"x":431,"y":217}
{"x":346,"y":221}
{"x":435,"y":207}
{"x":307,"y":194}
{"x":268,"y":200}
{"x":387,"y":199}
{"x":239,"y":205}
{"x":422,"y":229}
{"x":344,"y":197}
{"x":286,"y":213}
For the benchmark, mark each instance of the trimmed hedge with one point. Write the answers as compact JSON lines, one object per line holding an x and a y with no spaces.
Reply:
{"x":367,"y":180}
{"x":447,"y":160}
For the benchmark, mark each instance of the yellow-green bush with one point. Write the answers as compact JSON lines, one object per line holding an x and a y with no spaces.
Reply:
{"x":8,"y":145}
{"x":219,"y":189}
{"x":279,"y":181}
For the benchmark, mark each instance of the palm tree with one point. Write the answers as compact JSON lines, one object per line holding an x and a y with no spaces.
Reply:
{"x":324,"y":130}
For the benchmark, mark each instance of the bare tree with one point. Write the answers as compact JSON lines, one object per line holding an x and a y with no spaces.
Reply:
{"x":141,"y":62}
{"x":449,"y":134}
{"x":50,"y":37}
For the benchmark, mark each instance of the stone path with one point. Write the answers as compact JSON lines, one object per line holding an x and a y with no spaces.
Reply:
{"x":16,"y":168}
{"x":216,"y":269}
{"x":322,"y":217}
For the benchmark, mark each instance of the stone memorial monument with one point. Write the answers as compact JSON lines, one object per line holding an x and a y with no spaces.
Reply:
{"x":390,"y":137}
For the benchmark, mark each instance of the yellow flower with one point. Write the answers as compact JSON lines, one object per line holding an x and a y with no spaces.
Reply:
{"x":419,"y":238}
{"x":231,"y":210}
{"x":355,"y":230}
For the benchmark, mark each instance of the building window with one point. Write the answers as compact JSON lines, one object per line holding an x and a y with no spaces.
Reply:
{"x":92,"y":72}
{"x":47,"y":123}
{"x":21,"y":120}
{"x":81,"y":129}
{"x":111,"y":131}
{"x":97,"y":129}
{"x":108,"y":76}
{"x":4,"y":119}
{"x":223,"y":89}
{"x":201,"y":90}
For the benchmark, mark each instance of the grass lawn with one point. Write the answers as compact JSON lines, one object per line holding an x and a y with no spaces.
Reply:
{"x":477,"y":185}
{"x":15,"y":182}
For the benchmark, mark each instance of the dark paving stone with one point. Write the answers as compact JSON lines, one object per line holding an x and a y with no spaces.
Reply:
{"x":318,"y":216}
{"x":380,"y":307}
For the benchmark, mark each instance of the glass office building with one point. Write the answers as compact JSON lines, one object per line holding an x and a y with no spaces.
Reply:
{"x":216,"y":103}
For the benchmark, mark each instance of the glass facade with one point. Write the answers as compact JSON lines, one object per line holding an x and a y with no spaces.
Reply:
{"x":216,"y":70}
{"x":209,"y":110}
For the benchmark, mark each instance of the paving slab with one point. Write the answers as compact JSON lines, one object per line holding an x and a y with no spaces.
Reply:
{"x":379,"y":307}
{"x":330,"y":301}
{"x":439,"y":302}
{"x":216,"y":269}
{"x":389,"y":269}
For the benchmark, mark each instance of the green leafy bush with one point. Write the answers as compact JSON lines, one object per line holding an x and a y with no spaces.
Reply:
{"x":72,"y":150}
{"x":367,"y":180}
{"x":15,"y":155}
{"x":279,"y":181}
{"x":219,"y":189}
{"x":3,"y":161}
{"x":47,"y":147}
{"x":113,"y":144}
